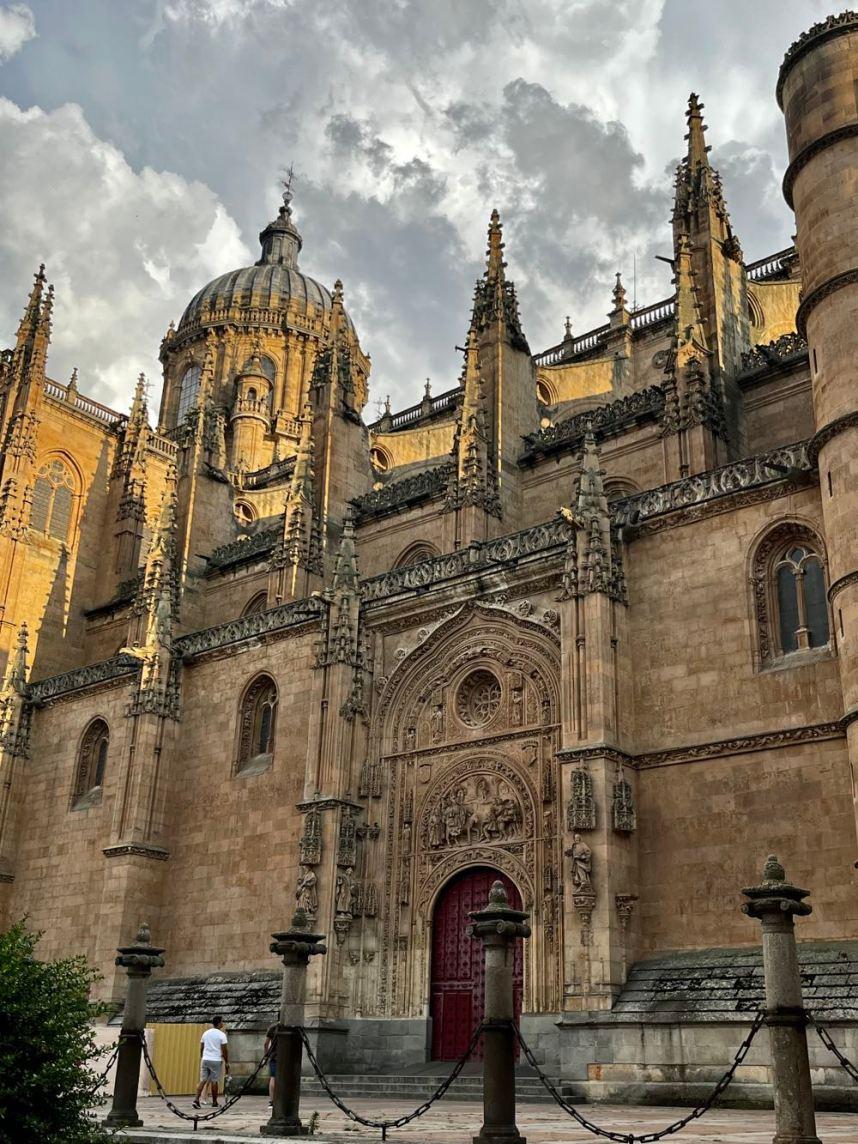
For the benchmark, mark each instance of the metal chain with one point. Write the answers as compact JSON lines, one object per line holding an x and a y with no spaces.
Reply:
{"x":825,"y":1037}
{"x":646,"y":1137}
{"x":384,"y":1125}
{"x":99,"y":1081}
{"x":208,"y":1115}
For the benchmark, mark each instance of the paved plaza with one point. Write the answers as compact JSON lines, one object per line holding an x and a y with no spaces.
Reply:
{"x":456,"y":1122}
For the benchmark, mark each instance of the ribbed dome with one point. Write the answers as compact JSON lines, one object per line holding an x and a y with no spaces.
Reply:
{"x":271,"y":284}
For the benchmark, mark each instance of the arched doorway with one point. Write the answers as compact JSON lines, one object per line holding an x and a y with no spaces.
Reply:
{"x":456,"y":998}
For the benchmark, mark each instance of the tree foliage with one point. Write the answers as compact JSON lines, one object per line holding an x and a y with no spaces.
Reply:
{"x":47,"y":1048}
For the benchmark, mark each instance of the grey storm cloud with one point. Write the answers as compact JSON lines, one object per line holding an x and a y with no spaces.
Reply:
{"x":143,"y":145}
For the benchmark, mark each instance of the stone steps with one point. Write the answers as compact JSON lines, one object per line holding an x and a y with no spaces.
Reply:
{"x":416,"y":1089}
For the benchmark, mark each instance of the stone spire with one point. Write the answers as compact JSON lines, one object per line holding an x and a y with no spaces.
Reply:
{"x":300,"y":544}
{"x":495,"y":300}
{"x":333,"y":367}
{"x":17,"y":668}
{"x":474,"y":481}
{"x":699,"y":204}
{"x":593,"y":559}
{"x":619,"y":315}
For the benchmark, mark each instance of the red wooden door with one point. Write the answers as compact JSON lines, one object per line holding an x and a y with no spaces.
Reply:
{"x":457,"y":962}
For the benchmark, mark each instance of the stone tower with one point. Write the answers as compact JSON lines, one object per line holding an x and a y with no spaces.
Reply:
{"x":817,"y":93}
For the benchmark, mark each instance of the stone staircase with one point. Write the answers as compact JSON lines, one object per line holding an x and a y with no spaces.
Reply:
{"x":412,"y":1089}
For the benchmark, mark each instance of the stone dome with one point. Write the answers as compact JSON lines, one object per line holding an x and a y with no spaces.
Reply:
{"x":271,"y":284}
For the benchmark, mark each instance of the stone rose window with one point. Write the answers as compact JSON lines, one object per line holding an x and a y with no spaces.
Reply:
{"x":478,"y":698}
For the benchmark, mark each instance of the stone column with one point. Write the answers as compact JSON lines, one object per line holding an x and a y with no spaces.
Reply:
{"x":499,"y":926}
{"x":296,"y":946}
{"x":138,"y":960}
{"x":774,"y":903}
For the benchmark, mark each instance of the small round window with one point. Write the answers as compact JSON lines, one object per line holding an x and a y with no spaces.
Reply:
{"x":478,"y":698}
{"x":244,"y":514}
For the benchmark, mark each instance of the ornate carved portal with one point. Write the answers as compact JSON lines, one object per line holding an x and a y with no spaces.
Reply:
{"x":465,"y":734}
{"x":457,"y":985}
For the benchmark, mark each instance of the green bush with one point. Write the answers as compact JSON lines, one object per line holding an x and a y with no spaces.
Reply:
{"x":47,"y":1050}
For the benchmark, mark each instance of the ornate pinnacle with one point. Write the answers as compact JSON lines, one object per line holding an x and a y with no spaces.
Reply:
{"x":567,"y":337}
{"x":71,"y":388}
{"x":495,"y":263}
{"x":16,"y":677}
{"x":696,"y":136}
{"x":427,"y":390}
{"x":619,"y":294}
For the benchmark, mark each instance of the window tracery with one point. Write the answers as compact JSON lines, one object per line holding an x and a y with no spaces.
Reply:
{"x":790,"y":593}
{"x":91,"y":765}
{"x":53,"y":500}
{"x":188,"y":391}
{"x":257,"y":720}
{"x":478,"y":698}
{"x":415,"y":554}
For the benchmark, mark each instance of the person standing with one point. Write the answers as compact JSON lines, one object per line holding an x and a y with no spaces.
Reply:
{"x":214,"y":1055}
{"x":271,"y":1043}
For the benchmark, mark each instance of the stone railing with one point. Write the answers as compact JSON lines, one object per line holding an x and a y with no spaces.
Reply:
{"x":787,"y":347}
{"x":249,"y":627}
{"x":83,"y":404}
{"x":276,"y":471}
{"x":651,"y":315}
{"x":774,"y":266}
{"x":94,"y":673}
{"x":751,"y":473}
{"x":243,"y":549}
{"x":398,"y":495}
{"x":446,"y":402}
{"x":162,"y":445}
{"x":604,"y":419}
{"x":571,"y":347}
{"x":541,"y":539}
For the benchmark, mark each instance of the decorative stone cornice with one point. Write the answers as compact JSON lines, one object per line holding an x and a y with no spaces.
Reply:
{"x":405,"y":493}
{"x":747,"y":744}
{"x":842,"y":582}
{"x":810,"y":301}
{"x":479,"y":556}
{"x":585,"y":754}
{"x":249,"y":627}
{"x":838,"y":25}
{"x":603,"y":421}
{"x":828,"y":432}
{"x":783,"y":350}
{"x":138,"y":850}
{"x":829,"y":139}
{"x":108,"y":670}
{"x":244,"y":550}
{"x":764,"y":472}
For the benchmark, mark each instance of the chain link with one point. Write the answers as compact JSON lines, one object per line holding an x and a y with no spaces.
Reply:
{"x":384,"y":1125}
{"x":100,"y":1080}
{"x":646,"y":1137}
{"x":208,"y":1115}
{"x":825,"y":1037}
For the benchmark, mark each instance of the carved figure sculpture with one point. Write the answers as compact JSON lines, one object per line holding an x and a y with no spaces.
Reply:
{"x":436,"y":830}
{"x":582,"y":864}
{"x":306,"y":896}
{"x":345,"y":890}
{"x":455,"y":816}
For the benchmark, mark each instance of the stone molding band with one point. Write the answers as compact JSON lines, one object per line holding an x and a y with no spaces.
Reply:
{"x":842,"y":582}
{"x":698,"y":752}
{"x":809,"y":303}
{"x":839,"y":25}
{"x":136,"y":849}
{"x":829,"y":432}
{"x":847,"y":131}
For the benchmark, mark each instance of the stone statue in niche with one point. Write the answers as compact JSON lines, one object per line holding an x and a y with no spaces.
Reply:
{"x":306,"y":896}
{"x":345,"y":891}
{"x":437,"y":721}
{"x":582,"y":864}
{"x":410,"y":738}
{"x":436,"y":829}
{"x":455,"y":816}
{"x":516,"y":707}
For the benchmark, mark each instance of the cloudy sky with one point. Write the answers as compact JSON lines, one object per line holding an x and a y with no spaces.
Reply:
{"x":142,"y":142}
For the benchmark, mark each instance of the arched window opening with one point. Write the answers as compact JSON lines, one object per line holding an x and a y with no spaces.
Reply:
{"x":543,"y":393}
{"x":53,"y":501}
{"x":257,"y":603}
{"x":790,"y":593}
{"x":91,"y":765}
{"x":251,"y":394}
{"x":380,"y":459}
{"x":188,"y":392}
{"x":416,"y":554}
{"x":257,"y":721}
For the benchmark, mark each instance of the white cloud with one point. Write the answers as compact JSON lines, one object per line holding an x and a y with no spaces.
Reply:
{"x":17,"y":26}
{"x":125,"y":249}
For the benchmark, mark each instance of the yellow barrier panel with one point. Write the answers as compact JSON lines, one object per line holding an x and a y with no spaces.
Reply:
{"x":176,"y":1057}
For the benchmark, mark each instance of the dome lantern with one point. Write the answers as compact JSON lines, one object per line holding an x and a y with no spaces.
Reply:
{"x":281,"y":242}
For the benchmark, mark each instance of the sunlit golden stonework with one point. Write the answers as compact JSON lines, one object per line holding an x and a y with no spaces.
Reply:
{"x":584,"y":621}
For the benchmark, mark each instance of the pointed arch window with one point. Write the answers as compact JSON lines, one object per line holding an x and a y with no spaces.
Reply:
{"x":188,"y":391}
{"x":257,"y":722}
{"x":790,"y":593}
{"x":91,"y":765}
{"x":53,"y":501}
{"x":257,"y":603}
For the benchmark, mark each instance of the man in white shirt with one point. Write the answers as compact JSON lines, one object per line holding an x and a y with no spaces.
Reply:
{"x":213,"y":1055}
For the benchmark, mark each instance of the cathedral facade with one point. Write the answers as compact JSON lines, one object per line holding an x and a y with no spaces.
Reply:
{"x":585,"y":622}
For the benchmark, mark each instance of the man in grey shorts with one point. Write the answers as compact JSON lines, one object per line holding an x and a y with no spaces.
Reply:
{"x":213,"y":1055}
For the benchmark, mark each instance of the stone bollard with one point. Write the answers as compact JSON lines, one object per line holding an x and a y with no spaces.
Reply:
{"x":138,"y":960}
{"x":499,"y":926}
{"x":296,"y":946}
{"x":774,"y":903}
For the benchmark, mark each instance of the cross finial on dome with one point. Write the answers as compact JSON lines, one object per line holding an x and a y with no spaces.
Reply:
{"x":286,"y":184}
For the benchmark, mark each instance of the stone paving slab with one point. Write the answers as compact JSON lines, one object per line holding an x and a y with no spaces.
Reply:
{"x":458,"y":1123}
